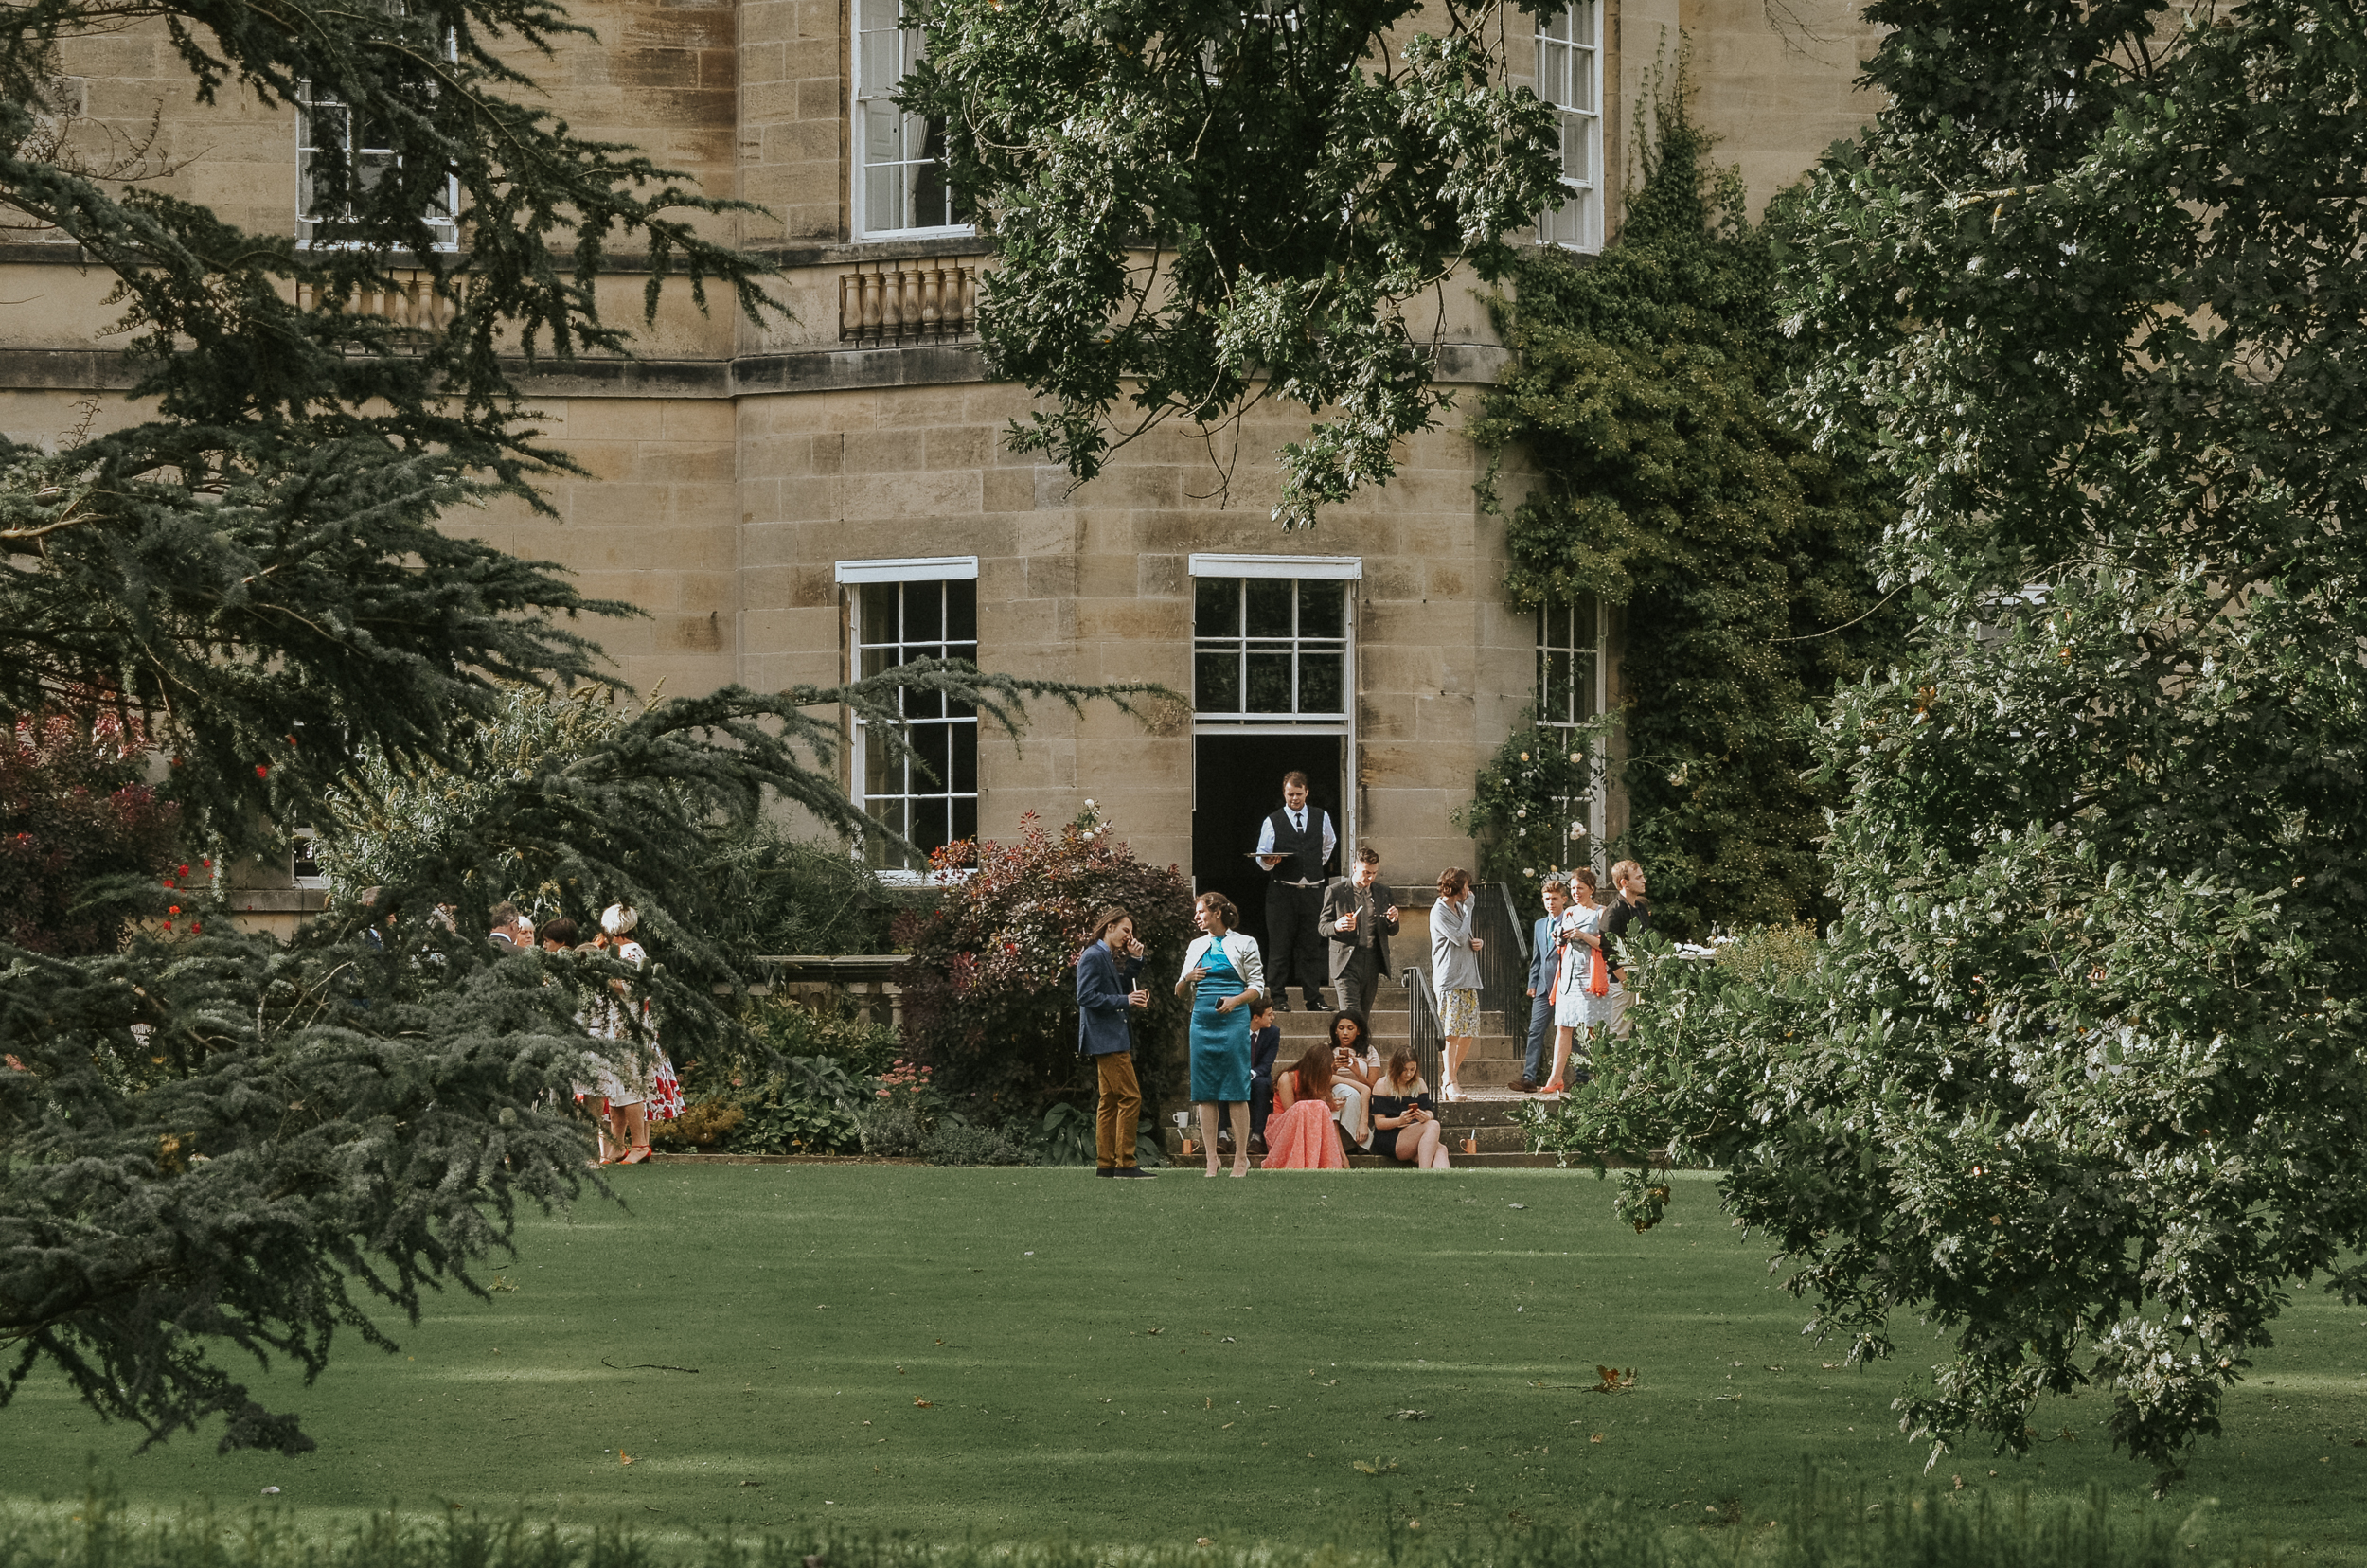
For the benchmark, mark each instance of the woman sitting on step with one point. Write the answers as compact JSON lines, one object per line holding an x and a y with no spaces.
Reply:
{"x":1405,"y":1124}
{"x":1354,"y":1066}
{"x":1300,"y":1136}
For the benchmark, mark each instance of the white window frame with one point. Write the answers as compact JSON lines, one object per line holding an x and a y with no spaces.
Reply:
{"x":905,"y":572}
{"x":1598,"y":650}
{"x":872,"y":89}
{"x":308,"y":108}
{"x":1570,"y":77}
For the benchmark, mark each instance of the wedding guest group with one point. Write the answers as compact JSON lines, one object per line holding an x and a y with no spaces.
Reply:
{"x":1343,"y":1099}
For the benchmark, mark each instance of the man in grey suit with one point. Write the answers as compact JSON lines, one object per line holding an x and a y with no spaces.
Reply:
{"x":1358,"y":928}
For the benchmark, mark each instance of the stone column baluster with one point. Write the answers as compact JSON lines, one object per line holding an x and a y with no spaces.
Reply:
{"x":932,"y":298}
{"x":849,"y":305}
{"x":874,"y":285}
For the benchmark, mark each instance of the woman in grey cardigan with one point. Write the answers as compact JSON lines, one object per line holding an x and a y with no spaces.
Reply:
{"x":1455,"y":972}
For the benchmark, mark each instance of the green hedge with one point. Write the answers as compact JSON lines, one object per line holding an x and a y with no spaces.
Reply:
{"x":1821,"y":1527}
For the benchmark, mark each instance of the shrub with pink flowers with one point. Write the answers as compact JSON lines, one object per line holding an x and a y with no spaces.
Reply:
{"x":991,"y":1002}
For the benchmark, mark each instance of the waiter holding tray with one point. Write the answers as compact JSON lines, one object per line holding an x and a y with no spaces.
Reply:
{"x":1295,"y":847}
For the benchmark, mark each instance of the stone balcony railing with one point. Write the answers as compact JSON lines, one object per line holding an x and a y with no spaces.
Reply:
{"x":920,"y":302}
{"x":408,"y":301}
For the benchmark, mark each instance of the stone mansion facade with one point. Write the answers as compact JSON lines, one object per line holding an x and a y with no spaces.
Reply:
{"x":832,"y":495}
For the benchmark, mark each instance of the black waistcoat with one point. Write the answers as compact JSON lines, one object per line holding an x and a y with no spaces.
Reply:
{"x":1302,"y":853}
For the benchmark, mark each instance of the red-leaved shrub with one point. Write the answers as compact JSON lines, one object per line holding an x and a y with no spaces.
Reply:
{"x":82,"y":841}
{"x":992,"y":999}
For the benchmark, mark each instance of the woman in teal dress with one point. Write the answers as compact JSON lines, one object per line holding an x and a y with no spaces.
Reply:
{"x":1226,"y":976}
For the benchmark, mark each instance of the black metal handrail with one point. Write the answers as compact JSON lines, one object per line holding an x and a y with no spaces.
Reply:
{"x":1503,"y":956}
{"x":1423,"y":1029}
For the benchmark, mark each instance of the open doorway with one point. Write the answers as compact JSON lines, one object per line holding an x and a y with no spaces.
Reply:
{"x":1236,"y":782}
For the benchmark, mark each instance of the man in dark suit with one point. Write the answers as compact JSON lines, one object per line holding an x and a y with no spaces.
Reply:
{"x":1544,"y":959}
{"x":1294,"y":847}
{"x":1105,"y":992}
{"x":1358,"y":928}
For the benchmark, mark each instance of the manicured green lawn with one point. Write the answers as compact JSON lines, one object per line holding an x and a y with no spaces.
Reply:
{"x":1000,"y":1354}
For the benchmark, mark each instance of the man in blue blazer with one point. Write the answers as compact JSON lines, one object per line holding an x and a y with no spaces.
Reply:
{"x":1105,"y":992}
{"x":1544,"y":958}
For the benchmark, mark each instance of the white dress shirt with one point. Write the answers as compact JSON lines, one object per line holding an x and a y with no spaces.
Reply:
{"x":1298,"y":820}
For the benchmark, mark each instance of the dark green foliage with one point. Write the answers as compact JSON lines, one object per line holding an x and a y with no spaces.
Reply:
{"x":992,"y":1004}
{"x":85,"y":842}
{"x":785,"y":1028}
{"x":1669,"y":485}
{"x":786,"y":895}
{"x":2082,"y":1083}
{"x":212,"y":1139}
{"x":1298,"y":178}
{"x":1824,"y":1524}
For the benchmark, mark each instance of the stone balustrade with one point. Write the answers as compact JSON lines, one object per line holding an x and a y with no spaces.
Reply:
{"x":904,"y":301}
{"x":408,"y":301}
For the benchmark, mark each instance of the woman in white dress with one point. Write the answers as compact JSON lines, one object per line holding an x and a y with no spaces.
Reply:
{"x":1576,"y":1007}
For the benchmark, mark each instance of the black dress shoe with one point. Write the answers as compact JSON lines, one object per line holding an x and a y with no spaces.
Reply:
{"x":1282,"y":1004}
{"x":1132,"y":1171}
{"x":1106,"y":1170}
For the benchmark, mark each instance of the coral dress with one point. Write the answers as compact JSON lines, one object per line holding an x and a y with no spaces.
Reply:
{"x":1303,"y":1136}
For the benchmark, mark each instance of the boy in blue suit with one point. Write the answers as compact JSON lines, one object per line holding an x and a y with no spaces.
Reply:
{"x":1544,"y":958}
{"x":1105,"y":992}
{"x":1265,"y":1044}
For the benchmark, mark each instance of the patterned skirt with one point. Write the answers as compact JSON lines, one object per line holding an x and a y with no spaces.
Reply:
{"x":1458,"y":1012}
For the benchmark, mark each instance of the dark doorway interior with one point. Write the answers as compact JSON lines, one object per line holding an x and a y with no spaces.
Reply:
{"x":1236,"y":781}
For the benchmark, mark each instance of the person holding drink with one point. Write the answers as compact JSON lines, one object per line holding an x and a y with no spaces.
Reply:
{"x":1358,"y":920}
{"x":1106,"y":993}
{"x":1226,"y":978}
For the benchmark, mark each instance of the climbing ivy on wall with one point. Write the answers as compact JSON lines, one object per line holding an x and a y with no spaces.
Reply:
{"x":1666,"y":485}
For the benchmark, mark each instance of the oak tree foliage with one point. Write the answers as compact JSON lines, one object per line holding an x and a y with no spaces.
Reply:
{"x":1197,"y":205}
{"x":2080,"y":1082}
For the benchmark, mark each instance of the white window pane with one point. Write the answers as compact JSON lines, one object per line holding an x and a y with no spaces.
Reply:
{"x":882,"y":133}
{"x":1582,"y":23}
{"x":1578,"y":137}
{"x":881,"y":193}
{"x":882,"y":64}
